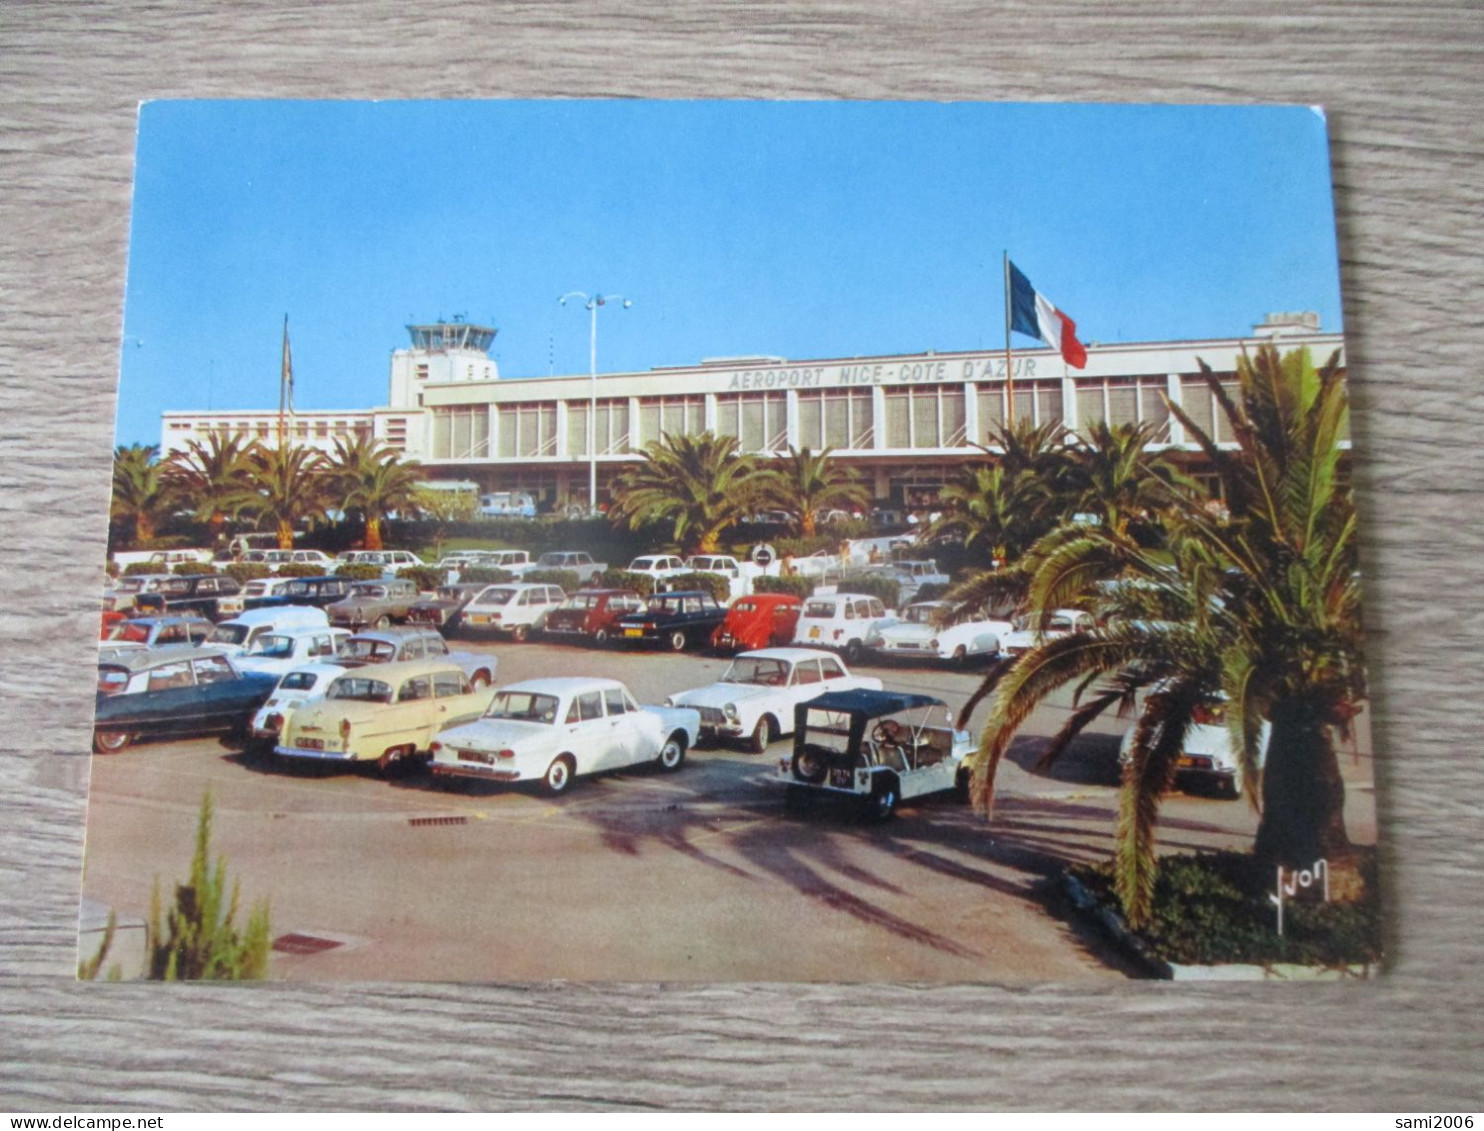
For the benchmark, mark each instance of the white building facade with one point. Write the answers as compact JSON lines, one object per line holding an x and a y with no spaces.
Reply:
{"x":908,"y":422}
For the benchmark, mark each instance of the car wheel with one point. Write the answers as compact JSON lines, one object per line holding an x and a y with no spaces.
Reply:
{"x":809,"y":766}
{"x":677,"y":642}
{"x":558,"y":775}
{"x":480,"y":681}
{"x":394,"y":762}
{"x":961,"y":787}
{"x":762,"y":735}
{"x":884,"y":798}
{"x":111,"y":741}
{"x":960,"y":657}
{"x":672,"y":753}
{"x":383,"y":621}
{"x":1234,"y":788}
{"x":520,"y":633}
{"x":600,"y":638}
{"x":854,"y":651}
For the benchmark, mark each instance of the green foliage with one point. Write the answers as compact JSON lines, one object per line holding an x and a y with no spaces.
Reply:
{"x":566,"y":578}
{"x":486,"y":576}
{"x":598,"y":536}
{"x":359,"y":572}
{"x":133,"y":569}
{"x":198,"y":939}
{"x":142,"y":497}
{"x":640,"y":583}
{"x":367,"y":477}
{"x":87,"y":968}
{"x":1213,"y":908}
{"x":246,"y":571}
{"x":932,"y":591}
{"x":300,"y":569}
{"x":799,"y":586}
{"x":288,"y":485}
{"x":441,"y":509}
{"x":426,"y":578}
{"x":888,"y":588}
{"x":713,"y":583}
{"x":193,"y":569}
{"x":803,"y":547}
{"x":697,"y":486}
{"x":804,"y":483}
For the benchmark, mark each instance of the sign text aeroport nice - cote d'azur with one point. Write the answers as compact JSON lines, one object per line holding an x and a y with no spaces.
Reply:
{"x":929,"y":369}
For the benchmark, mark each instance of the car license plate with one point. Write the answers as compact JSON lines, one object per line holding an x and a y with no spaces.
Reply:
{"x":633,"y":632}
{"x":474,"y":756}
{"x":312,"y":743}
{"x":841,"y":778}
{"x":478,"y":618}
{"x":1185,"y":763}
{"x":814,"y":634}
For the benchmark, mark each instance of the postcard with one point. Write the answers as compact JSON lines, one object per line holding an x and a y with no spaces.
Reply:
{"x":731,"y":541}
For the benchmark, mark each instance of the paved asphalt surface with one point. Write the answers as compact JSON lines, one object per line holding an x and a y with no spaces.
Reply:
{"x":639,"y":876}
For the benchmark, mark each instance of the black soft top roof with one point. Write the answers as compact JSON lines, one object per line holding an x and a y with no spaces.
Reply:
{"x":869,"y":704}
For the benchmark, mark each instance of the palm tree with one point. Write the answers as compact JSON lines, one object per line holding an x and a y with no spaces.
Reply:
{"x":370,"y":477}
{"x":804,"y":483}
{"x":1258,"y":611}
{"x":214,"y":478}
{"x":700,"y":485}
{"x":288,"y":484}
{"x":140,"y":492}
{"x":1114,"y":476}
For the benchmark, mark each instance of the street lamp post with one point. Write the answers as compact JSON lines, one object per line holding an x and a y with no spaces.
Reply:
{"x":592,"y":303}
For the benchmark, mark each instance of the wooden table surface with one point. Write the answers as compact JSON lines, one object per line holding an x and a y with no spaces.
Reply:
{"x":1402,"y":86}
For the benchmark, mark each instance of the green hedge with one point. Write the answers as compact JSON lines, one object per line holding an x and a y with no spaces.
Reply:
{"x":426,"y":578}
{"x":246,"y":571}
{"x":640,"y":583}
{"x":300,"y":569}
{"x":566,"y":578}
{"x":797,"y":585}
{"x":873,"y":585}
{"x":485,"y":575}
{"x":192,"y":569}
{"x":718,"y":586}
{"x":359,"y":572}
{"x":135,"y":568}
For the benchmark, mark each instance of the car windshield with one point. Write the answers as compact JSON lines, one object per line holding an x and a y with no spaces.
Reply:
{"x":133,"y":632}
{"x":228,"y":634}
{"x":525,"y":706}
{"x":376,"y":651}
{"x":744,"y":607}
{"x":824,"y":609}
{"x":551,"y":561}
{"x":496,"y":597}
{"x":176,"y":586}
{"x":765,"y":673}
{"x":921,"y":614}
{"x":272,"y":645}
{"x":361,"y":689}
{"x":580,"y":601}
{"x":369,"y":591}
{"x":298,"y":681}
{"x":112,"y":680}
{"x":664,"y":605}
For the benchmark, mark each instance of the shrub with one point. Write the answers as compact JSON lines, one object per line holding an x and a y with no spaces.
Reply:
{"x":803,"y":547}
{"x":640,"y":583}
{"x":192,"y":569}
{"x":799,"y":586}
{"x":135,"y":568}
{"x":112,"y":569}
{"x":426,"y":578}
{"x":246,"y":571}
{"x":359,"y":572}
{"x":486,"y":576}
{"x":566,"y":578}
{"x":714,"y":583}
{"x":873,"y":585}
{"x":300,"y":569}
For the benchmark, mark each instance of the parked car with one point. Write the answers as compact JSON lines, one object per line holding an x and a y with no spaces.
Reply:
{"x":249,"y":597}
{"x":316,"y":592}
{"x":515,"y":609}
{"x":678,"y":620}
{"x":660,"y":567}
{"x":386,"y":715}
{"x":122,"y":597}
{"x":399,"y":645}
{"x":841,"y":621}
{"x":304,"y":684}
{"x":1027,"y":632}
{"x":507,"y":504}
{"x":913,"y":575}
{"x":157,"y":693}
{"x":166,"y":560}
{"x":592,"y":614}
{"x":756,"y":695}
{"x":389,"y":561}
{"x":238,"y":635}
{"x":922,"y":632}
{"x":198,"y":594}
{"x":763,"y":620}
{"x":1207,"y":756}
{"x":579,"y":562}
{"x":380,"y":603}
{"x":877,"y":748}
{"x":289,"y":648}
{"x":153,"y":632}
{"x":553,"y":730}
{"x":445,"y":609}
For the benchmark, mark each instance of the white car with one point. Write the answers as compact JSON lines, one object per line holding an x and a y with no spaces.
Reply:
{"x":126,"y":589}
{"x":288,"y":648}
{"x":658,"y":566}
{"x":238,"y":635}
{"x":234,"y":603}
{"x":756,"y":696}
{"x":516,"y":609}
{"x":552,"y":730}
{"x":305,"y":684}
{"x":1207,"y":756}
{"x":923,"y":633}
{"x":913,"y":575}
{"x":841,"y":621}
{"x":1027,"y":635}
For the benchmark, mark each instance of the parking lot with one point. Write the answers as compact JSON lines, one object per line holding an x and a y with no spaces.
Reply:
{"x":700,"y":875}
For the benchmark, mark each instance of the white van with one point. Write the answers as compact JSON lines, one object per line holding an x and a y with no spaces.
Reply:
{"x":238,"y":635}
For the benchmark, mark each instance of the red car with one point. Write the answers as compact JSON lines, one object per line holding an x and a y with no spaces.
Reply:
{"x":592,"y":613}
{"x":764,"y":620}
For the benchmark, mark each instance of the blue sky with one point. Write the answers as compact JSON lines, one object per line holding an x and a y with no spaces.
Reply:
{"x":803,"y":230}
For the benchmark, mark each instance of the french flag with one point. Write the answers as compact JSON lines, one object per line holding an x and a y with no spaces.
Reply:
{"x":1032,"y":314}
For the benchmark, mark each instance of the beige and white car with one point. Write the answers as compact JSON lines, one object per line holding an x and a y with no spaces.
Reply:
{"x":387,"y":715}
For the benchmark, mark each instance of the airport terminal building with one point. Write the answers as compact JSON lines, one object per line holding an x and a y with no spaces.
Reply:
{"x":906,"y":422}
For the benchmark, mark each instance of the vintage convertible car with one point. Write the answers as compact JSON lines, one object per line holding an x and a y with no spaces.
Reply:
{"x":551,"y":730}
{"x":154,"y":693}
{"x":922,"y":633}
{"x":756,"y":696}
{"x":876,"y":748}
{"x":386,"y":715}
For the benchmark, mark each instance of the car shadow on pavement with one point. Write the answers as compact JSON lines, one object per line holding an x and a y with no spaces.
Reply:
{"x":1089,"y":759}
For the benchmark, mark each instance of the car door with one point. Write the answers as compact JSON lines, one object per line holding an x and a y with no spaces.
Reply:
{"x":458,"y":702}
{"x":594,"y":739}
{"x":634,"y":742}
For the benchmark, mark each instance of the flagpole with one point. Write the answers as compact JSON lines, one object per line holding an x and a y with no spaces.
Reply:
{"x":283,"y":383}
{"x":1009,"y":365}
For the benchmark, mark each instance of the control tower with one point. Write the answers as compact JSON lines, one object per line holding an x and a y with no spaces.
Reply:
{"x":441,"y":352}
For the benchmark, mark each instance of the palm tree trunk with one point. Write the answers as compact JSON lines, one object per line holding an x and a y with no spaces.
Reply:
{"x":285,"y":534}
{"x":373,"y":532}
{"x":807,"y":528}
{"x":144,"y":529}
{"x":1303,"y":798}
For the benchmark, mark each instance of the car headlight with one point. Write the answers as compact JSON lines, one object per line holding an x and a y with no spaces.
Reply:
{"x":669,"y":701}
{"x":933,"y":643}
{"x":730,"y":711}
